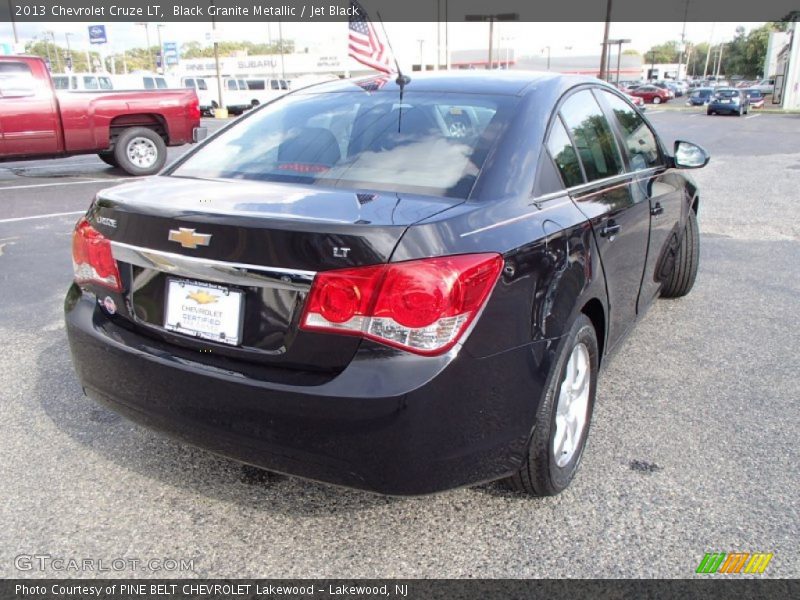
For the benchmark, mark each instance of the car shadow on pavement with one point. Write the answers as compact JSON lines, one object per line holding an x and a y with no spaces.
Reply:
{"x":158,"y":457}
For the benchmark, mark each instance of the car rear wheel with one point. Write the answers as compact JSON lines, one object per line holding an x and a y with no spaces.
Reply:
{"x":687,"y":261}
{"x":562,"y":422}
{"x":140,"y":151}
{"x":656,"y":100}
{"x":108,"y":158}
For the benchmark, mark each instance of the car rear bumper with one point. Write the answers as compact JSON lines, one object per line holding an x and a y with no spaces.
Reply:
{"x":391,"y":422}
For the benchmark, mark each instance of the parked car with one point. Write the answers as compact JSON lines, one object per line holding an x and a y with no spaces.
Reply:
{"x":728,"y":100}
{"x":82,"y":82}
{"x":651,"y":94}
{"x":402,"y":297}
{"x":127,"y":129}
{"x":700,"y":96}
{"x":755,"y":98}
{"x":765,"y":86}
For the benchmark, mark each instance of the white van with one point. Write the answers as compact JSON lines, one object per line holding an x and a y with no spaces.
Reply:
{"x":237,"y":95}
{"x":141,"y":81}
{"x":265,"y":89}
{"x":206,"y":90}
{"x":82,"y":82}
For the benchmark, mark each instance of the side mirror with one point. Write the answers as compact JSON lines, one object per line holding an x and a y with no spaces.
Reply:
{"x":690,"y":156}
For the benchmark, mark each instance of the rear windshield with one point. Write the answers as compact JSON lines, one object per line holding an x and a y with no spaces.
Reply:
{"x":753,"y":93}
{"x":430,"y":143}
{"x":726,"y":93}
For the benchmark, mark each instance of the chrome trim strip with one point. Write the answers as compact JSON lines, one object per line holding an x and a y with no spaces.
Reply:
{"x":213,"y":270}
{"x":513,"y":219}
{"x":632,"y":175}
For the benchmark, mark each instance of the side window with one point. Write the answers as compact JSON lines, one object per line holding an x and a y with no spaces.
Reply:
{"x":564,"y":155}
{"x":592,"y":136}
{"x":231,"y":84}
{"x":149,"y":84}
{"x":73,"y":83}
{"x":189,"y":83}
{"x":201,"y":84}
{"x":274,"y":84}
{"x":89,"y":82}
{"x":638,"y":138}
{"x":161,"y":83}
{"x":17,"y":80}
{"x":105,"y":83}
{"x":242,"y":84}
{"x":61,"y":82}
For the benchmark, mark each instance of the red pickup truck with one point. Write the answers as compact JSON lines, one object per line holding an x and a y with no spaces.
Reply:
{"x":130,"y":130}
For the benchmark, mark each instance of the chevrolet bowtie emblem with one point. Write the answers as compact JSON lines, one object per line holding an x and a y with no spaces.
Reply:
{"x":202,"y":297}
{"x":188,"y":238}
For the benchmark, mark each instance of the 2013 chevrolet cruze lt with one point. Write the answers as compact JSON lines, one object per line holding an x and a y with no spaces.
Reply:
{"x":400,"y":286}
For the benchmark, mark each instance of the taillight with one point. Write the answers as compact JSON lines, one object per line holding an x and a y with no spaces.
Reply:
{"x":193,"y":110}
{"x":423,"y":306}
{"x":92,"y":260}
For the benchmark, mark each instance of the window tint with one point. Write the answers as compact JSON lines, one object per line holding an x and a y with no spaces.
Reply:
{"x":201,"y":84}
{"x":149,"y":84}
{"x":61,"y":82}
{"x":105,"y":83}
{"x":231,"y":84}
{"x":274,"y":84}
{"x":592,"y":136}
{"x":284,"y":85}
{"x":161,"y":83}
{"x":16,"y":80}
{"x":564,"y":155}
{"x":637,"y":136}
{"x":242,"y":84}
{"x":188,"y":83}
{"x":255,"y":84}
{"x":90,"y":83}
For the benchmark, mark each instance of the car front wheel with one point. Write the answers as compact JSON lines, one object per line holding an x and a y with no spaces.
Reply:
{"x":562,"y":421}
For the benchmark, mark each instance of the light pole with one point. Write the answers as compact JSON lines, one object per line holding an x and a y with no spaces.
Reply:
{"x":421,"y":55}
{"x":55,"y":50}
{"x":69,"y":50}
{"x":619,"y":43}
{"x":47,"y":50}
{"x":548,"y":56}
{"x":147,"y":37}
{"x":491,"y":19}
{"x":159,"y":27}
{"x":216,"y":58}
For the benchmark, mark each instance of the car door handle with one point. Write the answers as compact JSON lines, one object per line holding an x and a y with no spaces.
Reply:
{"x":657,"y":210}
{"x":610,"y":230}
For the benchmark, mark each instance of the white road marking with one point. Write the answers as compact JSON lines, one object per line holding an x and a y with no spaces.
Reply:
{"x":64,"y":214}
{"x":40,"y":185}
{"x":752,"y":116}
{"x":654,"y":112}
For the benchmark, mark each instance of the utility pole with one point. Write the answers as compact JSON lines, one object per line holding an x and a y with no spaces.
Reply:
{"x":280,"y":41}
{"x":149,"y":49}
{"x":438,"y":35}
{"x":13,"y":24}
{"x":619,"y":43}
{"x":708,"y":54}
{"x":421,"y":55}
{"x":446,"y":37}
{"x":216,"y":58}
{"x":548,"y":56}
{"x":491,"y":19}
{"x":683,"y":40}
{"x":603,"y":62}
{"x":47,"y":50}
{"x":719,"y":59}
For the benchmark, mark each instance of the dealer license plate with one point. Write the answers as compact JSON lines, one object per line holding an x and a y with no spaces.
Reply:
{"x":204,"y":310}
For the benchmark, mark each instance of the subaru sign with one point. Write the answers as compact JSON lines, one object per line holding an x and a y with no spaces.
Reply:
{"x":97,"y":34}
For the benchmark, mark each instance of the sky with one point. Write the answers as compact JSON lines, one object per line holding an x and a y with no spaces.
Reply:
{"x":564,"y":39}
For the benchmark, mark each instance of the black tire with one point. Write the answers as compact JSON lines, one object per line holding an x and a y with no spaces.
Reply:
{"x":108,"y":158}
{"x":539,"y":474}
{"x":150,"y":141}
{"x":709,"y":112}
{"x":687,"y":261}
{"x":254,"y":103}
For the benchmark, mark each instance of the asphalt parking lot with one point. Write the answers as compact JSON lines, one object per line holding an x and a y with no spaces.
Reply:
{"x":693,"y":447}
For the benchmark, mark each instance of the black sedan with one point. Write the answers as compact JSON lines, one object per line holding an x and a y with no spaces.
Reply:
{"x":400,"y":286}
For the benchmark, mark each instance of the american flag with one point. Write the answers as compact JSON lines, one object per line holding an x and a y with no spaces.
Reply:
{"x":365,"y":43}
{"x":373,"y":84}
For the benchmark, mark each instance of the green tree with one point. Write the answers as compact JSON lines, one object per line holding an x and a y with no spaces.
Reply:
{"x":668,"y":52}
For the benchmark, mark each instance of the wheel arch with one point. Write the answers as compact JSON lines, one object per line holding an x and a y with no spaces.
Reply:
{"x":152,"y":121}
{"x":594,"y":310}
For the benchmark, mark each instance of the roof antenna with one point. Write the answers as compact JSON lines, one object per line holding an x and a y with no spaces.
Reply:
{"x":401,"y":80}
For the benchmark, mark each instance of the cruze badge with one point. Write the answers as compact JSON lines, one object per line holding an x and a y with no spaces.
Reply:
{"x":188,"y":238}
